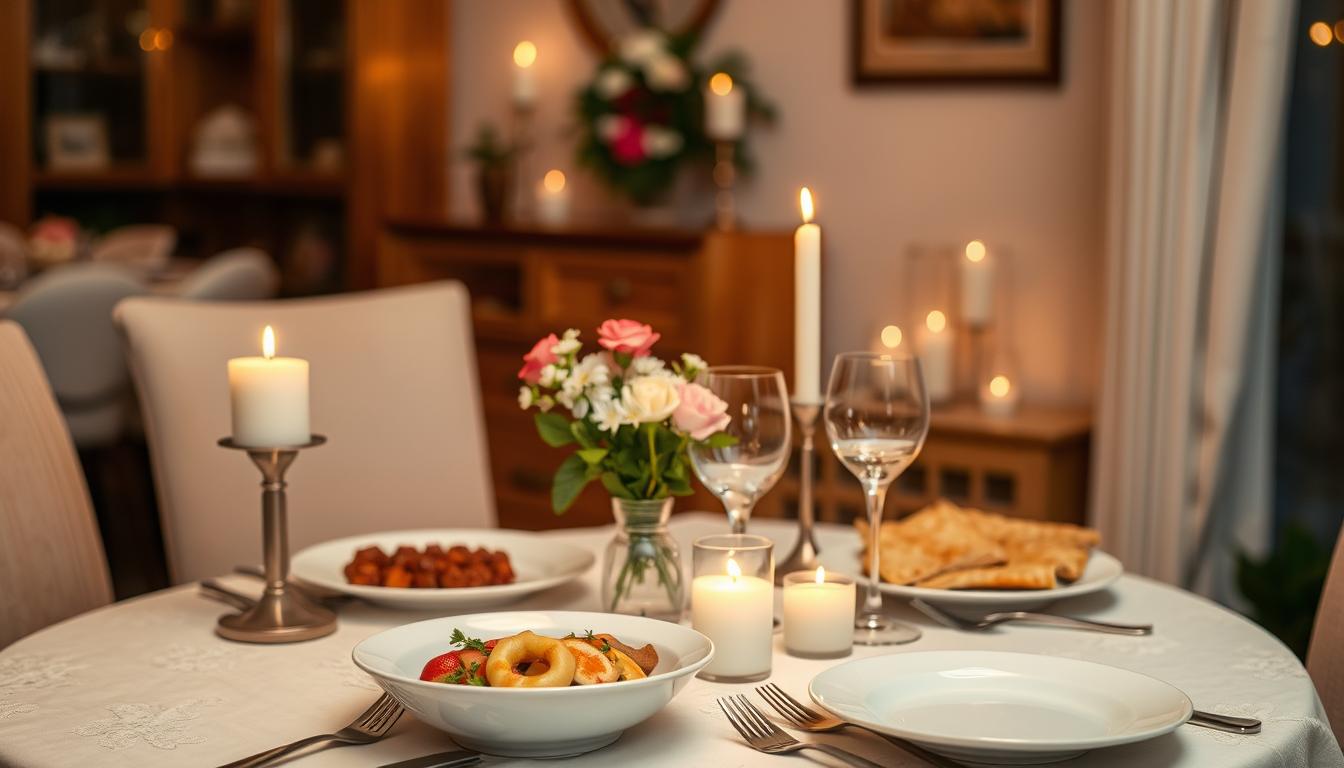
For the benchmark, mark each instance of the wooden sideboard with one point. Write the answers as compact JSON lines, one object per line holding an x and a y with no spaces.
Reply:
{"x":725,"y":296}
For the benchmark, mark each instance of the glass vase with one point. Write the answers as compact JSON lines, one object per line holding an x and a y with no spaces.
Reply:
{"x":641,"y":570}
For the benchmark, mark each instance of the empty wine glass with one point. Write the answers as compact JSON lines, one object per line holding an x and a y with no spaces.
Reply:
{"x":876,"y":417}
{"x":740,"y":474}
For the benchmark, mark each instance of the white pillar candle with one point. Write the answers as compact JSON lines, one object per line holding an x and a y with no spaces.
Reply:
{"x":725,"y":109}
{"x":807,"y":306}
{"x":935,"y":357}
{"x":269,"y":396}
{"x":553,"y":199}
{"x":818,"y":614}
{"x":524,"y":81}
{"x":977,"y":285}
{"x":737,"y":613}
{"x":999,"y":396}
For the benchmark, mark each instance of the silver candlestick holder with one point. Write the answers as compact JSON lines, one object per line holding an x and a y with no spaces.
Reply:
{"x":805,"y":551}
{"x":725,"y":176}
{"x":282,"y":614}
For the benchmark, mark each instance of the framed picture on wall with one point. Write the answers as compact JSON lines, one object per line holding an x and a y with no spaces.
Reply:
{"x":955,"y":41}
{"x":76,"y":142}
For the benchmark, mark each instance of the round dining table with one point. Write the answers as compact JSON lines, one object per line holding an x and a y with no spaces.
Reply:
{"x":146,"y":682}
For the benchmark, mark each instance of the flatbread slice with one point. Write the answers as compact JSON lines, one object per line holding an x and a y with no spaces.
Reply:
{"x":1010,"y":576}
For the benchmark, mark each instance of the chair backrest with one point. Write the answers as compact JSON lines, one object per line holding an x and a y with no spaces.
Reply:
{"x":67,"y":313}
{"x":393,"y":387}
{"x":1325,"y":655}
{"x":240,"y":274}
{"x":146,"y":247}
{"x":51,"y":557}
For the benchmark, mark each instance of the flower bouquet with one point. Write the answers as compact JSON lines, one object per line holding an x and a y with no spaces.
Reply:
{"x":630,"y":417}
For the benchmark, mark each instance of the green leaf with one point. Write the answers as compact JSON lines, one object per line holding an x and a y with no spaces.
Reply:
{"x":720,"y":440}
{"x":554,"y":429}
{"x":569,"y":481}
{"x":613,"y":484}
{"x":583,"y":433}
{"x":593,"y":455}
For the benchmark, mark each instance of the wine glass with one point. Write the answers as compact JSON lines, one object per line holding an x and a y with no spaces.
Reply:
{"x":876,"y":417}
{"x":740,"y":474}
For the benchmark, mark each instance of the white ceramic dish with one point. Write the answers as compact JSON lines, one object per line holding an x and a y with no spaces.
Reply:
{"x":1102,"y":569}
{"x":538,"y":562}
{"x":532,"y":722}
{"x":1001,"y":708}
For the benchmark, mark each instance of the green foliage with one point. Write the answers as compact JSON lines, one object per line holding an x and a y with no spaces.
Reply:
{"x":554,"y":429}
{"x":488,"y":149}
{"x":1285,"y":587}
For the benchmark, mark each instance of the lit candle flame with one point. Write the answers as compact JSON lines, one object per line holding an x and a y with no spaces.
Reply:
{"x":721,"y":83}
{"x":524,"y":54}
{"x":805,"y":202}
{"x":891,"y":336}
{"x":999,"y":386}
{"x":733,"y":570}
{"x":821,"y":575}
{"x":554,"y":181}
{"x":936,"y":321}
{"x":268,"y":343}
{"x":975,"y":251}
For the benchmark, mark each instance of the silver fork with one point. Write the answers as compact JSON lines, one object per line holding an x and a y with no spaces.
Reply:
{"x":369,"y":727}
{"x":216,"y":591}
{"x":805,"y":718}
{"x":989,"y":620}
{"x":764,"y":736}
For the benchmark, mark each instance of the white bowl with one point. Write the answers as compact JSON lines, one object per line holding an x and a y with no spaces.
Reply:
{"x":532,"y":722}
{"x":539,"y":562}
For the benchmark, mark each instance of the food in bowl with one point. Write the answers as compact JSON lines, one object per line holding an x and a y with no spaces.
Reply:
{"x":434,"y":567}
{"x":529,"y":660}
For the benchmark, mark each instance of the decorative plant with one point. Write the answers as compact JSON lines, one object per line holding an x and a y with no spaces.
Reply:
{"x":494,"y":158}
{"x":1285,"y":586}
{"x":642,"y":116}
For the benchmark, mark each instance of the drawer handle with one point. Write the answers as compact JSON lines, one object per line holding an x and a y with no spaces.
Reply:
{"x":529,"y":480}
{"x":618,"y":290}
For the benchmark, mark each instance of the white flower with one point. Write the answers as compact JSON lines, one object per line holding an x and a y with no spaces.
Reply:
{"x":545,"y":403}
{"x":646,"y":366}
{"x":525,"y":397}
{"x":665,"y":72}
{"x":660,"y":142}
{"x":692,"y":364}
{"x":608,"y":414}
{"x":642,"y":46}
{"x":609,"y":127}
{"x":565,"y":398}
{"x":579,"y":409}
{"x":650,"y":399}
{"x":552,"y":376}
{"x":613,"y":82}
{"x":566,"y":346}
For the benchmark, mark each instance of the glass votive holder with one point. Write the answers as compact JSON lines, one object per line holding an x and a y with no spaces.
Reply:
{"x":818,"y":614}
{"x":733,"y":603}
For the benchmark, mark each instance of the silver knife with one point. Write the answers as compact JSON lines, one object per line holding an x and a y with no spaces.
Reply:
{"x":454,"y":759}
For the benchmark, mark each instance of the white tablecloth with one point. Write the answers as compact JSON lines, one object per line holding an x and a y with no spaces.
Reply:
{"x":147,"y":683}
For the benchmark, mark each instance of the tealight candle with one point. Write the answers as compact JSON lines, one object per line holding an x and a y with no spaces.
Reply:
{"x":977,"y":285}
{"x":999,"y":397}
{"x":553,"y":199}
{"x":935,"y":356}
{"x":269,"y":396}
{"x":818,"y":614}
{"x":733,"y":603}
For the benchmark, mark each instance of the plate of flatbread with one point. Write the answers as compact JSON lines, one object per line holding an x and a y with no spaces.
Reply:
{"x":962,"y":557}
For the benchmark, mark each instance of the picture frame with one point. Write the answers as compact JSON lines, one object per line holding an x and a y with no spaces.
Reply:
{"x":77,"y":142}
{"x":973,"y":42}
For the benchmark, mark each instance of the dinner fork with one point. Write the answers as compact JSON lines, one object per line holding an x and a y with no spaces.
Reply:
{"x":216,"y":591}
{"x":991,"y":619}
{"x":764,"y":736}
{"x":369,"y":727}
{"x":313,"y":591}
{"x":805,"y":718}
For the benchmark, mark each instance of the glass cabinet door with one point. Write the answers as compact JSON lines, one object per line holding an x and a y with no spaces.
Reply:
{"x":312,"y":89}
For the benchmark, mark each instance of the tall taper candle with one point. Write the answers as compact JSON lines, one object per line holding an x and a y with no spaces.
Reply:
{"x":725,"y":109}
{"x":524,"y":82}
{"x":977,"y":285}
{"x":936,"y":357}
{"x":269,"y":395}
{"x":807,"y":306}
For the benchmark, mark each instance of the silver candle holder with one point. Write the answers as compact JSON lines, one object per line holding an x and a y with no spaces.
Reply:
{"x":805,"y":550}
{"x":282,"y":614}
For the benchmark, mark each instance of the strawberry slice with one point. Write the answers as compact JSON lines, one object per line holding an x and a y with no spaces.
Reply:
{"x":443,"y":668}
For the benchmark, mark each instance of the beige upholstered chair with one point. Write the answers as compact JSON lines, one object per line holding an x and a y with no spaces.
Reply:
{"x":51,"y":557}
{"x":1325,"y":656}
{"x":394,"y":389}
{"x":145,"y":247}
{"x":240,"y":274}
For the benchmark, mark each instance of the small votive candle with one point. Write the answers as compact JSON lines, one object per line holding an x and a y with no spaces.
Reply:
{"x":818,"y":614}
{"x":998,"y":398}
{"x":733,"y":604}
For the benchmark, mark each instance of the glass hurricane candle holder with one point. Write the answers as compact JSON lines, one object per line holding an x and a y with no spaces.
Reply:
{"x":733,"y":603}
{"x":818,"y":614}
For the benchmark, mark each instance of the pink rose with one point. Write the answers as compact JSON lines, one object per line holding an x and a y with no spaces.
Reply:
{"x":629,"y":336}
{"x":628,"y":145}
{"x":540,"y":357}
{"x":701,"y":413}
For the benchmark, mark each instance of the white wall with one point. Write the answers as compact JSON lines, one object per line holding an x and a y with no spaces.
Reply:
{"x":892,"y":165}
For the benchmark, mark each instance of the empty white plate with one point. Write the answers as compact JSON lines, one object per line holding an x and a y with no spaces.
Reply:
{"x":1102,"y":569}
{"x":538,"y":563}
{"x":1001,"y":708}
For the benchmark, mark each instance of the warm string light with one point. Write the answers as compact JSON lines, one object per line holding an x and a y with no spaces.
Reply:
{"x":805,"y":204}
{"x":936,"y":321}
{"x":268,"y":343}
{"x":524,"y":54}
{"x":1321,"y":33}
{"x":721,"y":83}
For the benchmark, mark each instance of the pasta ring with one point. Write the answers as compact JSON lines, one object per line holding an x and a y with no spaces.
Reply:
{"x":501,"y":668}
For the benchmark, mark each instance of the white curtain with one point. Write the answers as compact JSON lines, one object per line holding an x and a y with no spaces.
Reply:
{"x":1181,"y":460}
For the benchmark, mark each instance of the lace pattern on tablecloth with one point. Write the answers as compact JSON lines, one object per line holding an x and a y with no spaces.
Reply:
{"x":164,"y":727}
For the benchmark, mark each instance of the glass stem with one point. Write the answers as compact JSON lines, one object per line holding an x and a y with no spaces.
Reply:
{"x":877,"y":498}
{"x":738,"y":517}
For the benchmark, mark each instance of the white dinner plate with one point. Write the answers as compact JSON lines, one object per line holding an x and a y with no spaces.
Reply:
{"x":1001,"y":708}
{"x":538,"y":563}
{"x":1102,"y":569}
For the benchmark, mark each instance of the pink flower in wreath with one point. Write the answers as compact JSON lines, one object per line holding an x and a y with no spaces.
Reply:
{"x":628,"y":144}
{"x":701,"y":413}
{"x":629,"y":336}
{"x":540,"y":357}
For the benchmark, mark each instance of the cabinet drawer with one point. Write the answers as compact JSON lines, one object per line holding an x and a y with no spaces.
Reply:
{"x":581,"y":292}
